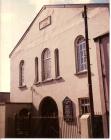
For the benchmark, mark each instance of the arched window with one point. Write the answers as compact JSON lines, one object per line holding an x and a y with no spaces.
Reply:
{"x":57,"y":72}
{"x":81,"y":57}
{"x":21,"y":73}
{"x":46,"y":64}
{"x":36,"y":70}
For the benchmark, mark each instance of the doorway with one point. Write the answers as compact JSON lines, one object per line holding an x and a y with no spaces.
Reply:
{"x":49,"y":122}
{"x":23,"y":124}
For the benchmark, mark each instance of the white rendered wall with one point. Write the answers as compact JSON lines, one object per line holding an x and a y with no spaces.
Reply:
{"x":67,"y":24}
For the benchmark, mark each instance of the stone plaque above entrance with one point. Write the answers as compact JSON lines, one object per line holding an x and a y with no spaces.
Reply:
{"x":44,"y":23}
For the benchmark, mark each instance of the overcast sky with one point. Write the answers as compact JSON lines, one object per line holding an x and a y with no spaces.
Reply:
{"x":15,"y":17}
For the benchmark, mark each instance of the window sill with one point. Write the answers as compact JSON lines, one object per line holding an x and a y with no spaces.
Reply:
{"x":47,"y":80}
{"x":81,"y":73}
{"x":58,"y":78}
{"x":22,"y":86}
{"x":37,"y":83}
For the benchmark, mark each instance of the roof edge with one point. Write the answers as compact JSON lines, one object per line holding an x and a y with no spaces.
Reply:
{"x":18,"y":102}
{"x":4,"y":92}
{"x":26,"y":31}
{"x":54,"y":6}
{"x":100,"y":36}
{"x":67,"y":5}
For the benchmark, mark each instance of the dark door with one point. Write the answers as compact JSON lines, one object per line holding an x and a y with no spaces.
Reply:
{"x":49,"y":122}
{"x":23,"y":124}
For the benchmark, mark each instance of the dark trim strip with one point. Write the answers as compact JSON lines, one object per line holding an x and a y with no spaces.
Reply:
{"x":101,"y":36}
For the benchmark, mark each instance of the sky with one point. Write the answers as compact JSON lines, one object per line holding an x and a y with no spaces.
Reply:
{"x":15,"y":17}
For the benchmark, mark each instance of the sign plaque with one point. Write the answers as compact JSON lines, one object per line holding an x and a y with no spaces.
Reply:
{"x":68,"y":110}
{"x":44,"y":23}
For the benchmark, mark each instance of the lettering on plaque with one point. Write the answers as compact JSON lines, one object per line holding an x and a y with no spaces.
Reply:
{"x":68,"y":110}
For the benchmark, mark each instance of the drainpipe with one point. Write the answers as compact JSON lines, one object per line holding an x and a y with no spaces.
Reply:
{"x":84,"y":14}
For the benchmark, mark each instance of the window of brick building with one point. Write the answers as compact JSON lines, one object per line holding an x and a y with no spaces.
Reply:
{"x":46,"y":64}
{"x":57,"y":72}
{"x":36,"y":70}
{"x":81,"y":57}
{"x":84,"y":106}
{"x":21,"y":73}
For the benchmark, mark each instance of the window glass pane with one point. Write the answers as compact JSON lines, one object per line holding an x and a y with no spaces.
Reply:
{"x":82,"y":66}
{"x":85,"y":58}
{"x":46,"y":54}
{"x":36,"y":70}
{"x":84,"y":45}
{"x":21,"y":73}
{"x":57,"y":72}
{"x":81,"y":60}
{"x":85,"y":109}
{"x":81,"y":55}
{"x":84,"y":106}
{"x":46,"y":64}
{"x":80,"y":47}
{"x":84,"y":52}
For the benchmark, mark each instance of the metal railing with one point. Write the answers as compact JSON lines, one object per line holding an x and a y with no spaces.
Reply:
{"x":45,"y":127}
{"x":48,"y":127}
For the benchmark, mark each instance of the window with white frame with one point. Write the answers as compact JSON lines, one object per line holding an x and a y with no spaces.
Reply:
{"x":21,"y":73}
{"x":46,"y":64}
{"x":81,"y":57}
{"x":84,"y":105}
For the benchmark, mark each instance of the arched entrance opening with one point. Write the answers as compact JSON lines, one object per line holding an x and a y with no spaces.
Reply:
{"x":23,"y":123}
{"x":24,"y":112}
{"x":49,"y":121}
